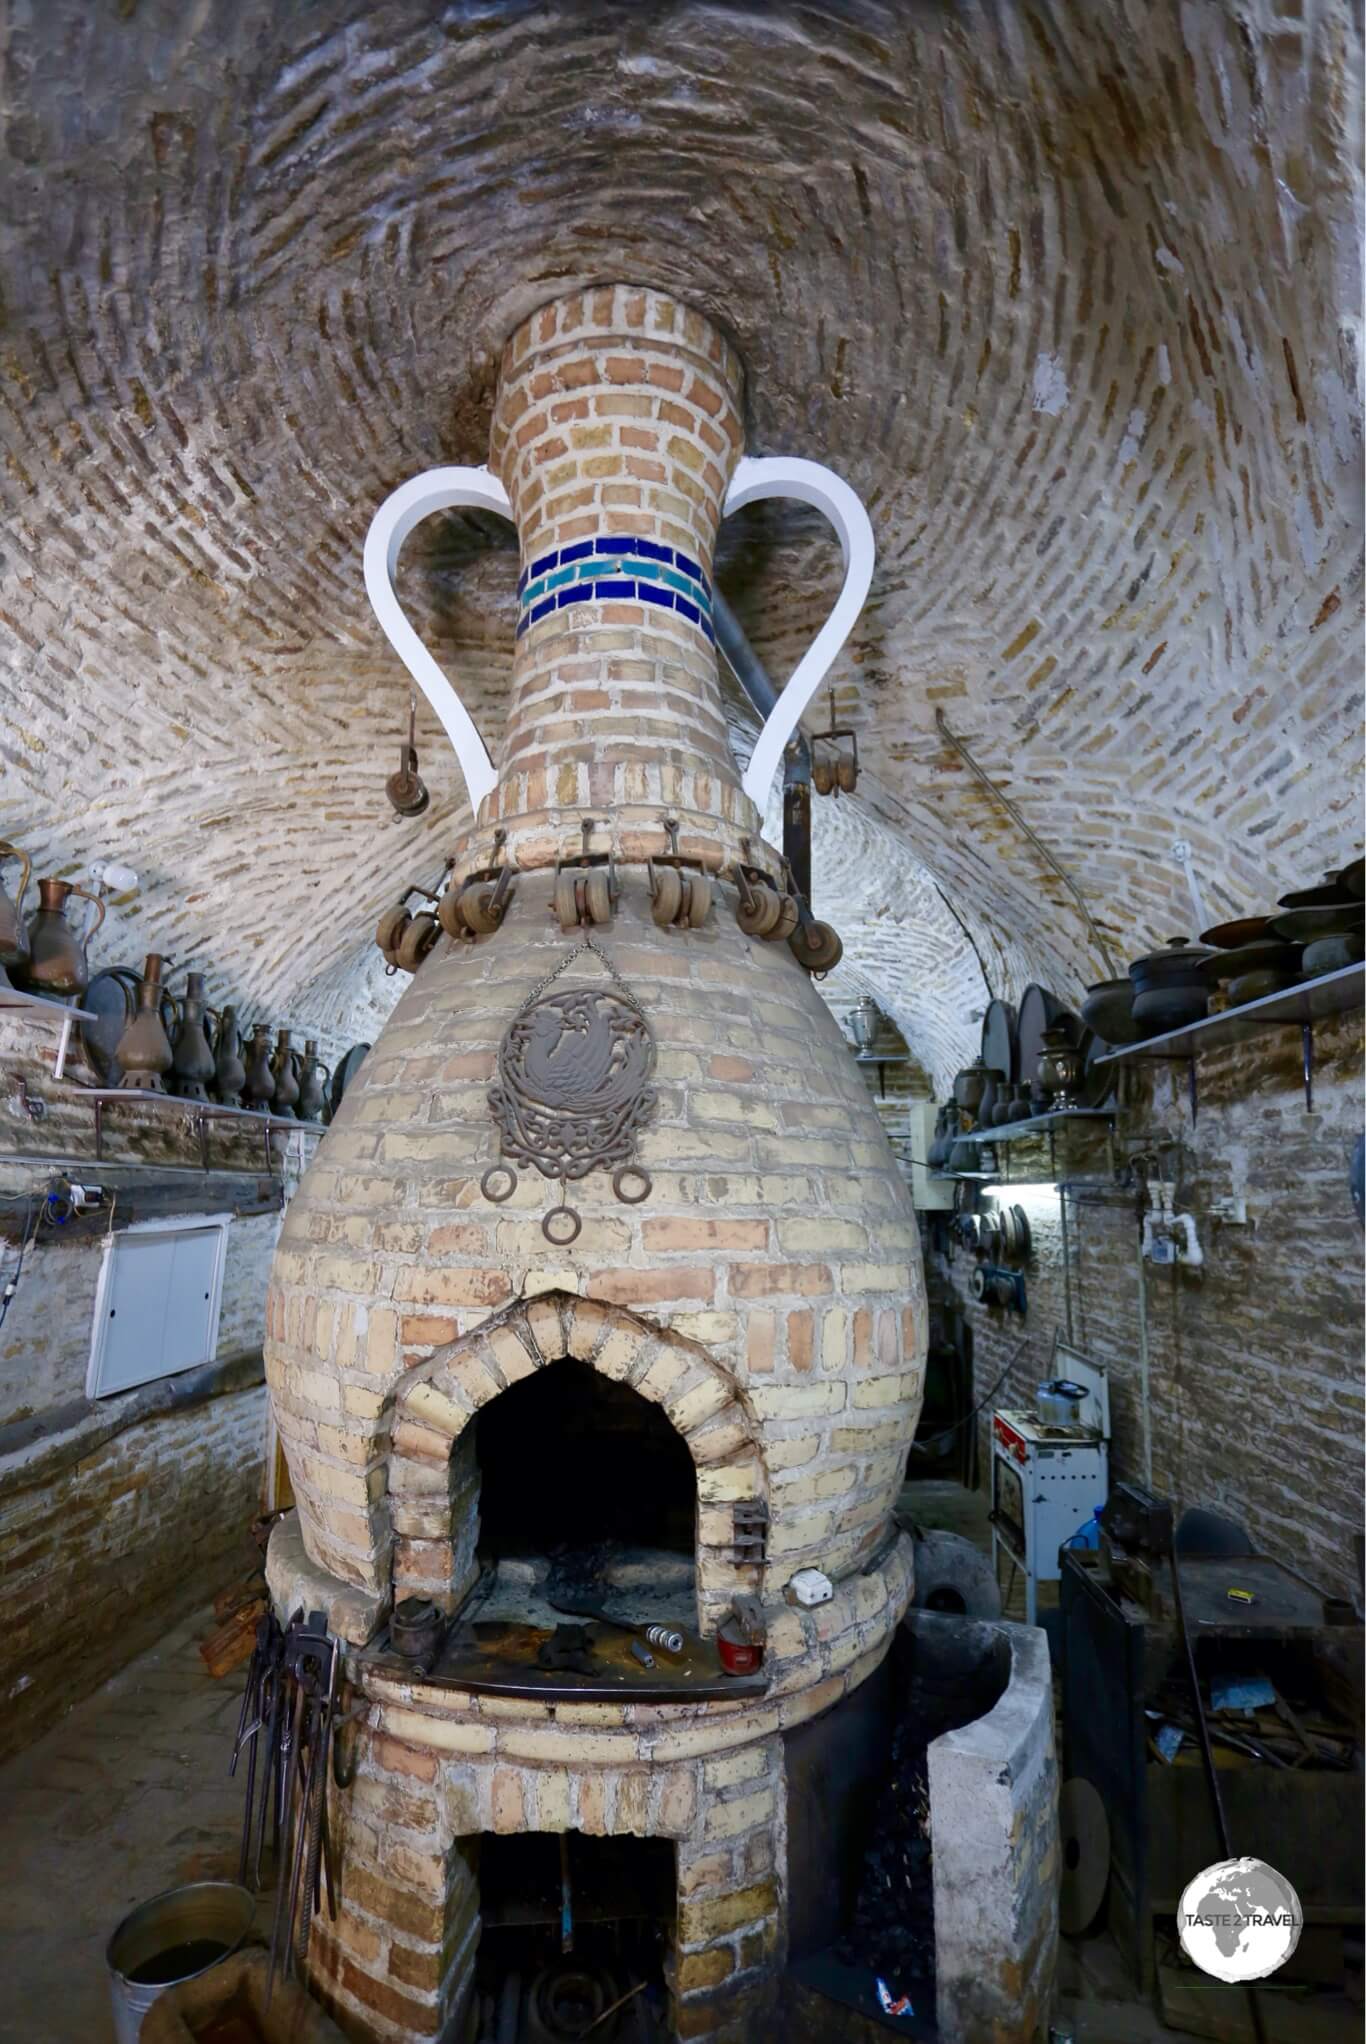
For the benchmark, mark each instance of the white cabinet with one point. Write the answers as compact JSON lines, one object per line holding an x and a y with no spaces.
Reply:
{"x":158,"y":1301}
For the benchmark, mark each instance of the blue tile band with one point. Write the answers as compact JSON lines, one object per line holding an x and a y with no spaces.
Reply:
{"x":615,"y":570}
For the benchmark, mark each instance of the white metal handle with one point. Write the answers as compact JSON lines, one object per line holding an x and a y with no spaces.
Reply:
{"x":436,"y":489}
{"x":809,"y":483}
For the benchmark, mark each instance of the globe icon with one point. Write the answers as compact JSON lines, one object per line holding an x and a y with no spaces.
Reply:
{"x":1239,"y":1920}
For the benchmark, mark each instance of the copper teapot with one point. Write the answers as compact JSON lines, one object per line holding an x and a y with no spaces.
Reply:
{"x":13,"y":935}
{"x":57,"y":963}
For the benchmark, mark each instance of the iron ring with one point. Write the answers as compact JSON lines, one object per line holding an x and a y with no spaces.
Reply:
{"x":562,"y":1241}
{"x":632,"y":1199}
{"x":497,"y":1171}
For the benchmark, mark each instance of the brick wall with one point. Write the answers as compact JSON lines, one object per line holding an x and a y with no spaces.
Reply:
{"x":115,"y":1517}
{"x":1255,"y":1363}
{"x":1109,"y":432}
{"x":103,"y":1557}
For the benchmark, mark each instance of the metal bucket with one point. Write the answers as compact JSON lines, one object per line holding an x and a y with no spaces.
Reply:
{"x":167,"y":1940}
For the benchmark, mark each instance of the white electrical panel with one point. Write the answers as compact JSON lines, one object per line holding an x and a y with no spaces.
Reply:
{"x":158,"y":1301}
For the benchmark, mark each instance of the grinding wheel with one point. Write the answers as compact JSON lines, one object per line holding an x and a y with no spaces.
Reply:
{"x":1084,"y":1834}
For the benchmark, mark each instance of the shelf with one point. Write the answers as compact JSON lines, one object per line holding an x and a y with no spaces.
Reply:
{"x":15,"y":997}
{"x":1333,"y":993}
{"x":209,"y":1110}
{"x":1038,"y":1124}
{"x":201,"y":1112}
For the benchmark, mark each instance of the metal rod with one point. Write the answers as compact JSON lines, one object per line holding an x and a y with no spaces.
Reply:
{"x":753,"y":677}
{"x":1040,"y":847}
{"x":1207,"y":1758}
{"x":1144,"y":1378}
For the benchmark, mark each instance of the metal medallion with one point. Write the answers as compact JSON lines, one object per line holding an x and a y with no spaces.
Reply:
{"x":574,"y":1080}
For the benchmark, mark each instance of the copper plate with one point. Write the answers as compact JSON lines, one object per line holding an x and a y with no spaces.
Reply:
{"x":1232,"y":936}
{"x":1000,"y":1048}
{"x":1038,"y":1010}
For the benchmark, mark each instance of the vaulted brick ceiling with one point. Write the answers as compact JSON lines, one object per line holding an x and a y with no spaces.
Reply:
{"x":1067,"y":293}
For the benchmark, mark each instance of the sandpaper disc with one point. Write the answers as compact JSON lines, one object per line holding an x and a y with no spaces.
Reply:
{"x":1084,"y":1832}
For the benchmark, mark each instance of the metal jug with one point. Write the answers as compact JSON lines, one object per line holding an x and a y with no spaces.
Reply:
{"x":57,"y":962}
{"x":260,"y":1074}
{"x":13,"y":935}
{"x":312,"y":1082}
{"x":286,"y":1078}
{"x":144,"y":1051}
{"x":192,"y":1065}
{"x":229,"y":1072}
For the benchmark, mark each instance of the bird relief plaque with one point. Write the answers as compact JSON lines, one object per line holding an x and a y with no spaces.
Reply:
{"x":575,"y":1072}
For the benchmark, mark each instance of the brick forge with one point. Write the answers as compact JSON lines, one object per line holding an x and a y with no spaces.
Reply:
{"x":766,"y":1298}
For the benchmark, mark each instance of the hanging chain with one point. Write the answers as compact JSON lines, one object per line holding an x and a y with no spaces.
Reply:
{"x":585,"y":944}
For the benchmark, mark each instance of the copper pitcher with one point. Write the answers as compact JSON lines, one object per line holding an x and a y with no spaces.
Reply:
{"x":286,"y":1078}
{"x":229,"y":1072}
{"x":57,"y":962}
{"x":312,"y":1082}
{"x":260,"y":1075}
{"x":144,"y":1051}
{"x":13,"y":935}
{"x":192,"y":1065}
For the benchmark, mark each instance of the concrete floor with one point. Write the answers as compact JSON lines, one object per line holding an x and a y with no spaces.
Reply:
{"x":130,"y":1795}
{"x":127,"y":1796}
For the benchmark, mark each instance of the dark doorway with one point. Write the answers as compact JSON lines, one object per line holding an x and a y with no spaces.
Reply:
{"x":569,"y":1458}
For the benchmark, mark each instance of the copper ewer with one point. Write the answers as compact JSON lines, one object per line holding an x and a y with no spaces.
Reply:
{"x":57,"y":963}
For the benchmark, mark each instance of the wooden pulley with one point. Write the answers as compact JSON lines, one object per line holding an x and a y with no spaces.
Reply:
{"x":823,"y":776}
{"x":450,"y":912}
{"x":597,"y":895}
{"x":416,"y":941}
{"x":759,"y":910}
{"x":391,"y":927}
{"x":816,"y":946}
{"x":789,"y":914}
{"x":666,"y":895}
{"x":567,"y":901}
{"x":480,"y":907}
{"x":846,"y":775}
{"x":696,"y":899}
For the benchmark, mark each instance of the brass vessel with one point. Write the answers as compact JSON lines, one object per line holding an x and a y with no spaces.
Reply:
{"x":286,"y":1078}
{"x":312,"y":1082}
{"x":144,"y":1051}
{"x":259,"y":1083}
{"x":229,"y":1072}
{"x":57,"y":963}
{"x":192,"y":1065}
